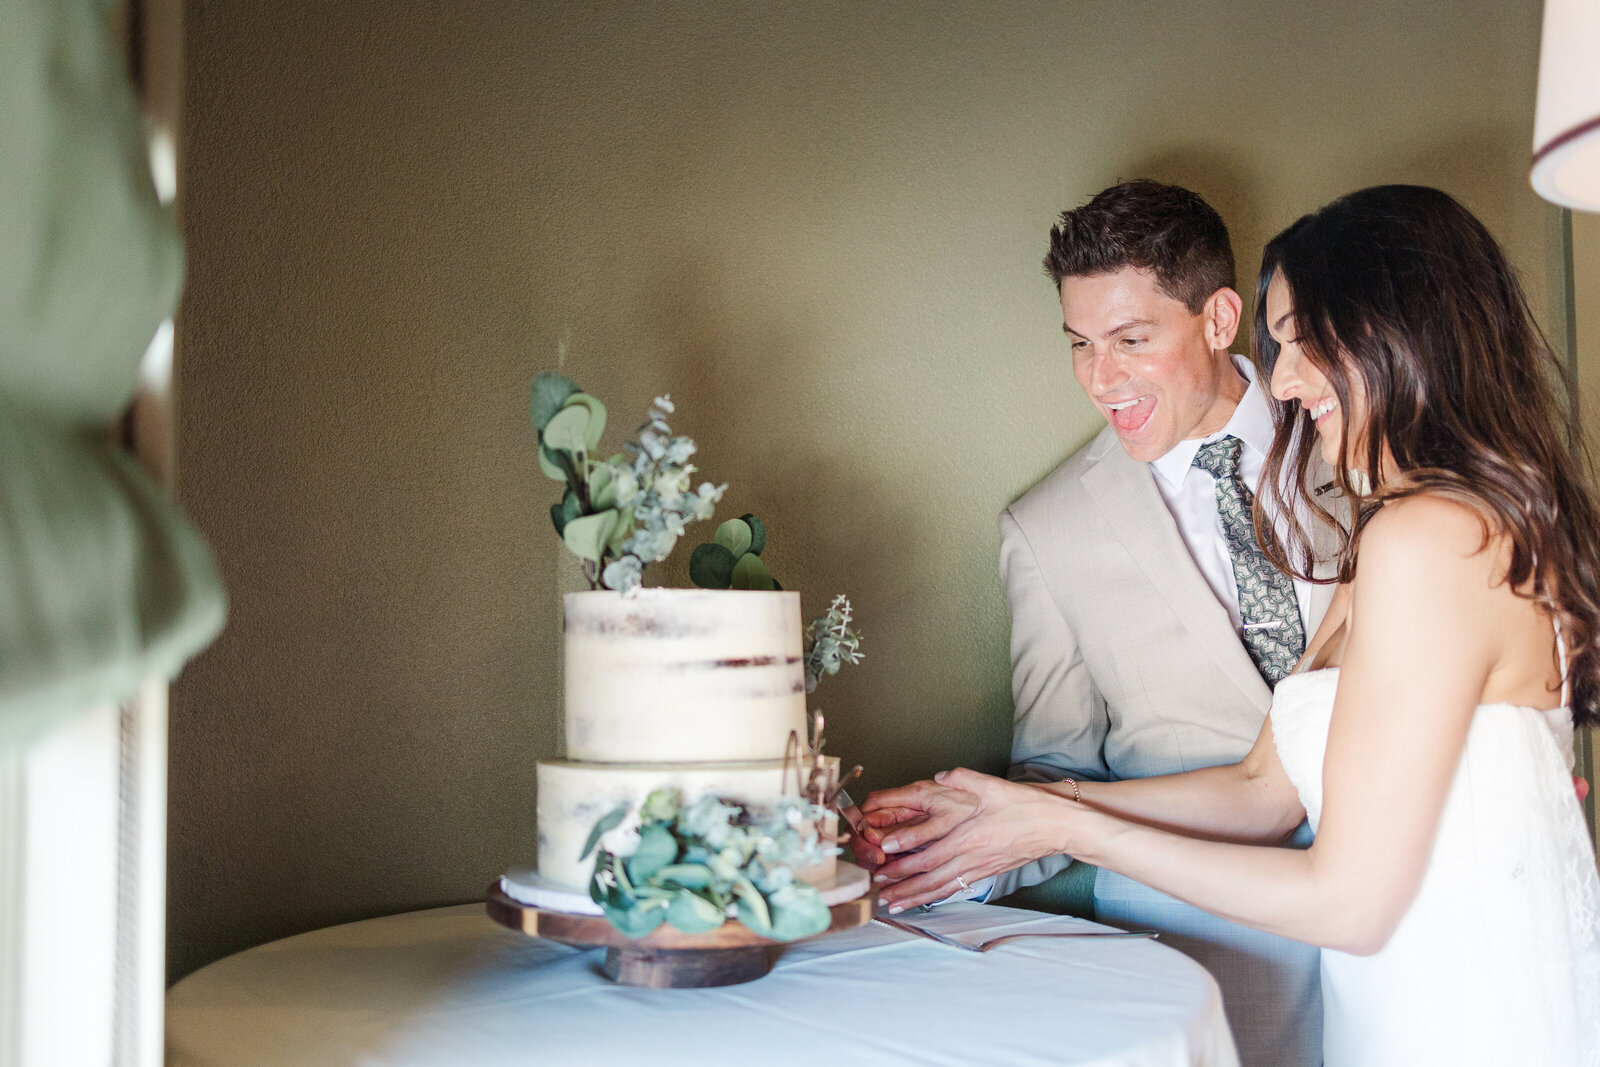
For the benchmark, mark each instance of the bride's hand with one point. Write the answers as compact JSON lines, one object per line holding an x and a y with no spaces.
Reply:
{"x":965,"y":826}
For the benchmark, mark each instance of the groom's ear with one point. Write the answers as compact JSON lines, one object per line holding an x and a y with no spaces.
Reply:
{"x":1222,"y":312}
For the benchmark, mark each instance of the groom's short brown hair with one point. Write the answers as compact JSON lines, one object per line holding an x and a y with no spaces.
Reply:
{"x":1164,"y":229}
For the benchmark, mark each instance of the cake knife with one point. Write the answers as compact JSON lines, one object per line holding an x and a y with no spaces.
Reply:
{"x":848,"y":811}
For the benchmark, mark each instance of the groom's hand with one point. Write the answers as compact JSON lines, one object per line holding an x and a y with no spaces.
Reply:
{"x":877,"y":823}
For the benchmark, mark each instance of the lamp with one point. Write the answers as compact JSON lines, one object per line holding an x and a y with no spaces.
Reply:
{"x":1566,"y":122}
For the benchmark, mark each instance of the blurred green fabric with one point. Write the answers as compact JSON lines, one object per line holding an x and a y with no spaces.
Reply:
{"x":103,"y":583}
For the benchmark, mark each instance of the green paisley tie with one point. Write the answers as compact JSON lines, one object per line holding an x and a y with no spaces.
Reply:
{"x":1268,"y":610}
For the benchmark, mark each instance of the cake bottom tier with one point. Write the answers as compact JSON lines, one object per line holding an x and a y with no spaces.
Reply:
{"x":574,"y":795}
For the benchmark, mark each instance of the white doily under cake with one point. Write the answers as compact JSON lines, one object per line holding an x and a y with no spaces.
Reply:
{"x":524,"y":885}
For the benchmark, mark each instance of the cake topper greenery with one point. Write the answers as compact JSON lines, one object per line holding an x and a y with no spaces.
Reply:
{"x":627,"y":511}
{"x":685,"y":865}
{"x":624,"y":512}
{"x":732,"y":560}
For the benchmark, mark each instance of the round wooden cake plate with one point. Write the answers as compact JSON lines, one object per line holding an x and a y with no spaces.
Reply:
{"x":666,"y":957}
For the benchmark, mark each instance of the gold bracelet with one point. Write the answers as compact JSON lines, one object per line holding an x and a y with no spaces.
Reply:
{"x":1075,"y":794}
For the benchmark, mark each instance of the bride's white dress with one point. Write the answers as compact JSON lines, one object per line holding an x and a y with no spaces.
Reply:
{"x":1497,"y":961}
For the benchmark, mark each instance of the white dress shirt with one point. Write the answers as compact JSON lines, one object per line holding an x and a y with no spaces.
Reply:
{"x":1191,"y":495}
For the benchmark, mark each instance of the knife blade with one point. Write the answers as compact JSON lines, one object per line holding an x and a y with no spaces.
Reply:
{"x":848,"y":811}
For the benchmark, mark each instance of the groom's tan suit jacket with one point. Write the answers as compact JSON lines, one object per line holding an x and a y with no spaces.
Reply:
{"x":1124,"y":663}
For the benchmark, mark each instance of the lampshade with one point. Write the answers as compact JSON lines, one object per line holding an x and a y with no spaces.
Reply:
{"x":1566,"y":122}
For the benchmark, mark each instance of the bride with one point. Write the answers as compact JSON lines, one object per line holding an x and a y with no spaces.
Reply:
{"x":1427,"y":733}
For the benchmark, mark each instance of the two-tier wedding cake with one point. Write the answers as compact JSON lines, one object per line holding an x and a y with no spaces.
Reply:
{"x":693,"y":689}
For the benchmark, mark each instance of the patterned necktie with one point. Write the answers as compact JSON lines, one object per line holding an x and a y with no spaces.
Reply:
{"x":1268,"y":610}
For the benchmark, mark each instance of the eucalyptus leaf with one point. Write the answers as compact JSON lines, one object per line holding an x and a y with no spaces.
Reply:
{"x":657,"y":848}
{"x":597,"y":416}
{"x":568,"y":430}
{"x":620,"y":534}
{"x":735,"y":536}
{"x":638,"y":920}
{"x":711,"y":566}
{"x":752,"y":911}
{"x":655,"y":892}
{"x":586,"y":536}
{"x":752,"y":907}
{"x":688,"y":875}
{"x":758,"y":534}
{"x":550,"y":391}
{"x":602,"y":490}
{"x":798,"y":912}
{"x":751,"y":573}
{"x":693,"y":914}
{"x":564,"y":512}
{"x":551,"y":468}
{"x":604,"y":825}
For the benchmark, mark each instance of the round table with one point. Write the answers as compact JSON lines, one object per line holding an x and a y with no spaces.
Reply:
{"x":448,"y":987}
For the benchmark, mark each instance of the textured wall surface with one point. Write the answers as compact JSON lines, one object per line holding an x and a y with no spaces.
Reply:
{"x":817,"y":225}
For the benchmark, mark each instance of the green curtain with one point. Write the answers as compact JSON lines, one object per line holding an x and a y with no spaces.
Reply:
{"x":102,"y":581}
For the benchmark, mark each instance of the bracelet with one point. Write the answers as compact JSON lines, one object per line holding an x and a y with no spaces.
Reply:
{"x":1077,"y":796}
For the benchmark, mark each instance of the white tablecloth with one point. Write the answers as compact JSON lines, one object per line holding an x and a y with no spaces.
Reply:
{"x":450,"y":987}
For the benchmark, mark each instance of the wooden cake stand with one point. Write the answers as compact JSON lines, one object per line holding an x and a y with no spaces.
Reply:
{"x":666,"y":957}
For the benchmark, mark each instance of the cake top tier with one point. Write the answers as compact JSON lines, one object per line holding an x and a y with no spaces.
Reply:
{"x":660,"y":675}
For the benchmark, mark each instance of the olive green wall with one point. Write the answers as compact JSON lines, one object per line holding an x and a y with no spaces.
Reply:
{"x":817,"y":225}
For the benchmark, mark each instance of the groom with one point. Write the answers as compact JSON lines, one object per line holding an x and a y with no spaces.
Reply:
{"x":1131,"y":654}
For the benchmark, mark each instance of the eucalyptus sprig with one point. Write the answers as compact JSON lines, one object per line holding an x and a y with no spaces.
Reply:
{"x":624,"y":512}
{"x":831,"y":642}
{"x":684,"y":865}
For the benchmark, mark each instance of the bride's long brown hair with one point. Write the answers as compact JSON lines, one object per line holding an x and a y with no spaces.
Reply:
{"x":1401,"y":287}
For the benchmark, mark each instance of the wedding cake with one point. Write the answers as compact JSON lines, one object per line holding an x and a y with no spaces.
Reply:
{"x":688,"y":688}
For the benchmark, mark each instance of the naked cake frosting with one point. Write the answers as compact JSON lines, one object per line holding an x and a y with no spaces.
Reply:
{"x":693,"y":689}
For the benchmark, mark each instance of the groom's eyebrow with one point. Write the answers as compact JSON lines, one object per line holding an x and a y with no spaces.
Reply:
{"x":1120,"y":328}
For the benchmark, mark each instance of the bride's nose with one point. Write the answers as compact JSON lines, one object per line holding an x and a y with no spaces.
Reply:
{"x":1286,"y":375}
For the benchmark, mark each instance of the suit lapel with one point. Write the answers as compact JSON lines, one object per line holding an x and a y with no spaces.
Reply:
{"x":1125,"y":492}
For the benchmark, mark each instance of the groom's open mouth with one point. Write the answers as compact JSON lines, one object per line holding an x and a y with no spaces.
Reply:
{"x":1129,"y":416}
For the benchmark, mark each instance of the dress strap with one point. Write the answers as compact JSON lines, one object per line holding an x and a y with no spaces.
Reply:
{"x":1561,"y":653}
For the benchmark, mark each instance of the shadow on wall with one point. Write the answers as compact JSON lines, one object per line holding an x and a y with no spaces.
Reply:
{"x":1470,"y":166}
